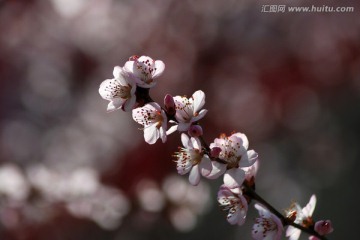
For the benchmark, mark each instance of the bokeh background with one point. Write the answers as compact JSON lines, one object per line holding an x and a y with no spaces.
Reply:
{"x":69,"y":170}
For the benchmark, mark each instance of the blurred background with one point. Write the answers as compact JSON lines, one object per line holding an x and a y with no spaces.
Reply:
{"x":69,"y":170}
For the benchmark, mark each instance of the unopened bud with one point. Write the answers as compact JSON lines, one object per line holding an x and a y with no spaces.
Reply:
{"x":215,"y":152}
{"x":195,"y":131}
{"x":169,"y":104}
{"x":323,"y":227}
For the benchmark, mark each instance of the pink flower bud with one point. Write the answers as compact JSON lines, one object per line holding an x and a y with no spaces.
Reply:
{"x":195,"y":131}
{"x":323,"y":227}
{"x":215,"y":151}
{"x":169,"y":104}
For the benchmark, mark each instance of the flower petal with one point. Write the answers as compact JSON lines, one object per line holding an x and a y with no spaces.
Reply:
{"x":159,"y":68}
{"x":218,"y":169}
{"x":162,"y":132}
{"x":183,"y":126}
{"x":245,"y":141}
{"x":234,"y":177}
{"x":129,"y":67}
{"x":194,"y":176}
{"x":114,"y":104}
{"x":293,"y":233}
{"x":117,"y":72}
{"x":205,"y":166}
{"x":171,"y":129}
{"x":151,"y":134}
{"x":199,"y":116}
{"x":199,"y":100}
{"x":196,"y":143}
{"x":310,"y":207}
{"x":248,"y":159}
{"x":107,"y":88}
{"x":185,"y":140}
{"x":129,"y":104}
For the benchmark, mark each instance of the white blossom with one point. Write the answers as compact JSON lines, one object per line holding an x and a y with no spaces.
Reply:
{"x":188,"y":110}
{"x":154,"y":120}
{"x":144,"y":70}
{"x":268,"y":226}
{"x":235,"y":157}
{"x":192,"y":159}
{"x":120,"y":91}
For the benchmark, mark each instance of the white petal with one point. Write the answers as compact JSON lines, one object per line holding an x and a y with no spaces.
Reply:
{"x":218,"y":169}
{"x":196,"y":143}
{"x":310,"y":207}
{"x":160,"y":67}
{"x":185,"y":140}
{"x":248,"y":159}
{"x":162,"y":131}
{"x":171,"y":129}
{"x":151,"y":134}
{"x":105,"y":89}
{"x":223,"y":196}
{"x":129,"y":104}
{"x":183,"y":126}
{"x":129,"y":66}
{"x":236,"y":218}
{"x":245,"y":141}
{"x":114,"y":104}
{"x":263,"y":212}
{"x":194,"y":176}
{"x":117,"y":72}
{"x":199,"y":100}
{"x":234,"y":177}
{"x":199,"y":116}
{"x":205,"y":166}
{"x":293,"y":233}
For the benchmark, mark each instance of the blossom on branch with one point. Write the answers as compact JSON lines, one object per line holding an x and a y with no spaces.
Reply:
{"x":302,"y":217}
{"x":268,"y":226}
{"x":234,"y":156}
{"x":144,"y":70}
{"x":154,"y":120}
{"x":192,"y":159}
{"x":188,"y":110}
{"x":120,"y":91}
{"x":235,"y":203}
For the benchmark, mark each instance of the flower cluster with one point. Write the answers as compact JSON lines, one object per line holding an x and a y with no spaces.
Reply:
{"x":227,"y":156}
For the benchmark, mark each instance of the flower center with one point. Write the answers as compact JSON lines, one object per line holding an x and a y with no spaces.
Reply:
{"x":146,"y":67}
{"x":230,"y":154}
{"x":196,"y":156}
{"x":158,"y":118}
{"x":123,"y":92}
